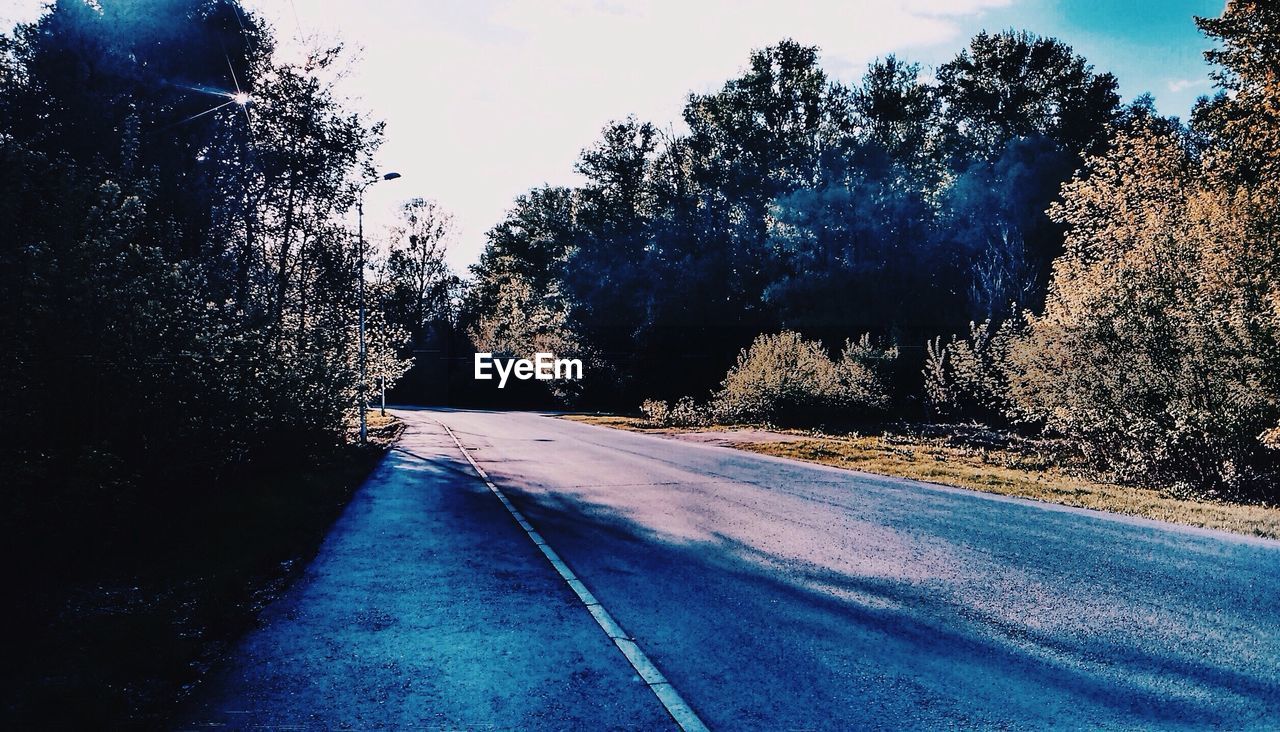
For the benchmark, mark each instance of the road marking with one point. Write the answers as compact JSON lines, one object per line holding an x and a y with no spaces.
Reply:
{"x":680,"y":711}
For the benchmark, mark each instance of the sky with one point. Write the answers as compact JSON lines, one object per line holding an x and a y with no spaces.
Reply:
{"x":486,"y":99}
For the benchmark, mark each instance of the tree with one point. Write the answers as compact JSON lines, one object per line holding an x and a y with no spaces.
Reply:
{"x":754,"y":140}
{"x":523,"y":322}
{"x":856,"y":246}
{"x":608,"y":268}
{"x":1012,"y":85}
{"x":180,"y":262}
{"x":519,"y":304}
{"x":894,"y":114}
{"x":891,"y":207}
{"x":1242,"y":123}
{"x":1243,"y":120}
{"x":1018,"y":113}
{"x":1159,"y":347}
{"x":418,"y":286}
{"x":384,"y":343}
{"x":533,"y":241}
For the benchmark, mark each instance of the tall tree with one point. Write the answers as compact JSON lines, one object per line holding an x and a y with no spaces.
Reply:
{"x":856,"y":244}
{"x":1018,"y":113}
{"x":186,"y":280}
{"x":752,"y":141}
{"x":419,"y":288}
{"x":1243,"y":120}
{"x":608,"y":268}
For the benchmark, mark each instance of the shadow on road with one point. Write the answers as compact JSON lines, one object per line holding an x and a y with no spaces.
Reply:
{"x":720,"y":615}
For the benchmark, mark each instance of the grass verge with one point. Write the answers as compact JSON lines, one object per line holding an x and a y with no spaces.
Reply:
{"x":122,"y":642}
{"x":968,"y":458}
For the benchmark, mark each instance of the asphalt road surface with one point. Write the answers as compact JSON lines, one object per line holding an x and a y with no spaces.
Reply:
{"x":772,"y":594}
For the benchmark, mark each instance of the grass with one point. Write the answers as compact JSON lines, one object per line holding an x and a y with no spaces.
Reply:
{"x":150,"y":611}
{"x":383,"y":429}
{"x":985,"y":461}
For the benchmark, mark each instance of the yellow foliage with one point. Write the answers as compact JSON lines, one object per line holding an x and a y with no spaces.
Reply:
{"x":1158,"y":346}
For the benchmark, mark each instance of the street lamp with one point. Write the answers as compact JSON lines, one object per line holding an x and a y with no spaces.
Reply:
{"x":364,"y":424}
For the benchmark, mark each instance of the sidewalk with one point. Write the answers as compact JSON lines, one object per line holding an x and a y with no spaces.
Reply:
{"x":427,"y":607}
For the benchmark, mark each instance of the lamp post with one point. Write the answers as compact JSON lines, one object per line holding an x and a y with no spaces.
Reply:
{"x":364,"y":423}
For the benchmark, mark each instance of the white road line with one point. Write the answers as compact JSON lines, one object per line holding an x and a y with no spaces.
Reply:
{"x":671,"y":700}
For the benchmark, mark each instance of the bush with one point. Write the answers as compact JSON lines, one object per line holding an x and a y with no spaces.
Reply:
{"x":684,"y":413}
{"x":656,"y":412}
{"x":1159,"y":347}
{"x":939,"y":394}
{"x":787,"y":380}
{"x":687,"y":413}
{"x":864,"y":371}
{"x":968,"y":377}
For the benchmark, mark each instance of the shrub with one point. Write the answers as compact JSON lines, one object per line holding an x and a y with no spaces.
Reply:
{"x":864,"y":371}
{"x":785,"y":379}
{"x":1159,"y":347}
{"x":938,"y":391}
{"x":1271,"y":438}
{"x":687,"y":413}
{"x":684,"y":413}
{"x":656,"y":412}
{"x":968,"y":377}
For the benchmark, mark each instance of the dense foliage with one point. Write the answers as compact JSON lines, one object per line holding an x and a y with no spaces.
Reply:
{"x":1159,"y":349}
{"x":896,"y":206}
{"x":177,"y":278}
{"x":178,"y":283}
{"x":1113,"y":272}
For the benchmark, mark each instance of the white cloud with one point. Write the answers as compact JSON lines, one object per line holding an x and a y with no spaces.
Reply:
{"x":1180,"y":85}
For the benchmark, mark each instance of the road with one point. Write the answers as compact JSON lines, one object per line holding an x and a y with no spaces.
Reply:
{"x":772,"y":594}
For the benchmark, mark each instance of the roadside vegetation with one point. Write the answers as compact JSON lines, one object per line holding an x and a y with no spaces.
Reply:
{"x":996,"y":241}
{"x":129,"y":630}
{"x":1000,"y":242}
{"x":178,"y":283}
{"x":973,"y":457}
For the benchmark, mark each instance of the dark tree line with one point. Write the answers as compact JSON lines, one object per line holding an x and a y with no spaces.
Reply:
{"x":899,"y":206}
{"x":178,"y":308}
{"x":176,"y":276}
{"x":1045,"y":258}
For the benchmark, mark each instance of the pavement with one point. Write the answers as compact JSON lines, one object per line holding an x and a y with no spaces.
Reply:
{"x":770,"y":594}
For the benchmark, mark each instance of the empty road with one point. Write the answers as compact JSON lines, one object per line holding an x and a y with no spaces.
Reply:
{"x":771,"y":594}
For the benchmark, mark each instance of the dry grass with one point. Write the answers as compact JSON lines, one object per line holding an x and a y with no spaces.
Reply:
{"x":383,"y":430}
{"x":1022,"y":468}
{"x":638,"y":424}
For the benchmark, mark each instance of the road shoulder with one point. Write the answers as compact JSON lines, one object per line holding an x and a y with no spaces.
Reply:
{"x":984,"y":469}
{"x":427,"y":606}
